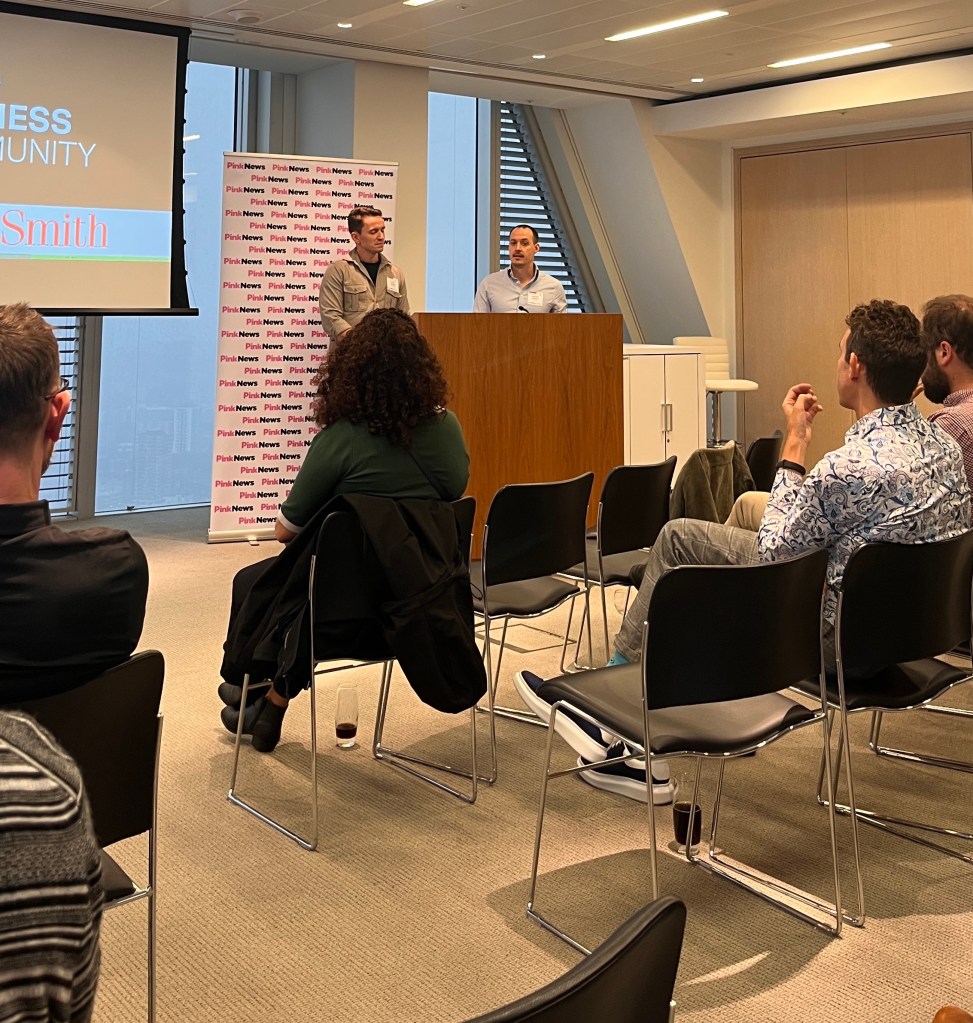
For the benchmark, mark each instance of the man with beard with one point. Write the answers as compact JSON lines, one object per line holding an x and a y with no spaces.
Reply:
{"x":947,"y":332}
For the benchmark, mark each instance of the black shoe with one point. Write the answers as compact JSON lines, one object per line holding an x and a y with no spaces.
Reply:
{"x":262,"y":721}
{"x":231,"y":694}
{"x":636,"y":574}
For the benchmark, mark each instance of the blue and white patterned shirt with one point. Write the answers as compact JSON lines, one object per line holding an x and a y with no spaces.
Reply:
{"x":896,"y":479}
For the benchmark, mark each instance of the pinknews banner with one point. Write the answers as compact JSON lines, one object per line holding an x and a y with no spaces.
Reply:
{"x":285,"y":218}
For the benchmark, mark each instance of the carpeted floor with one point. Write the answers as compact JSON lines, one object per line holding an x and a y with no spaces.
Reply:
{"x":412,"y":908}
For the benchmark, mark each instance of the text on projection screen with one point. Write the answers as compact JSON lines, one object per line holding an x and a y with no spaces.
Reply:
{"x":86,"y":144}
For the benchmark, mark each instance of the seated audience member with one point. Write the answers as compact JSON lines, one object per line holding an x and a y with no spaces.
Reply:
{"x":947,"y":330}
{"x":385,"y":431}
{"x":71,"y":603}
{"x":897,"y":478}
{"x":50,"y":881}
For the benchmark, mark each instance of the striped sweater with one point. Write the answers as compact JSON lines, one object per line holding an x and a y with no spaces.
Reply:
{"x":50,"y":881}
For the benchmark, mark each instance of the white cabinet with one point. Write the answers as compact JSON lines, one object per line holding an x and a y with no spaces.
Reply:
{"x":664,"y":395}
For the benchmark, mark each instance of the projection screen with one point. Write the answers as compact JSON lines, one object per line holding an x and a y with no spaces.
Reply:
{"x":91,"y":123}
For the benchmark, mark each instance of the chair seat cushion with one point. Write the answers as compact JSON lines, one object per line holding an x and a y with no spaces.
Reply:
{"x":896,"y":688}
{"x":617,"y":566}
{"x":529,"y":597}
{"x":115,"y":882}
{"x":613,"y":696}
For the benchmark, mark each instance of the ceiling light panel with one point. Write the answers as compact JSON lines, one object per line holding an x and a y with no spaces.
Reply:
{"x":666,"y":26}
{"x":831,"y":55}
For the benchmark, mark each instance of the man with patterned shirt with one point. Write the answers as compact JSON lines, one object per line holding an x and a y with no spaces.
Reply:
{"x":947,"y":330}
{"x":896,"y":478}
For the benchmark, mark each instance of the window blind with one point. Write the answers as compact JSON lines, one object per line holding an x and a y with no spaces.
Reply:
{"x":57,"y":484}
{"x":526,"y":199}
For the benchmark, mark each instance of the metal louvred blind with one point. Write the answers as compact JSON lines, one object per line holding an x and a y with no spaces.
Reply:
{"x":526,"y":199}
{"x":57,"y":484}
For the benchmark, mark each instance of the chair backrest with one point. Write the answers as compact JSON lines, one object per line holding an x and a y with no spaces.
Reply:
{"x":111,"y":726}
{"x":627,"y":979}
{"x":762,"y":457}
{"x":535,"y":529}
{"x":465,"y":510}
{"x":342,"y":587}
{"x":709,"y":482}
{"x":725,"y":632}
{"x":634,"y":506}
{"x":904,"y":602}
{"x":716,"y":354}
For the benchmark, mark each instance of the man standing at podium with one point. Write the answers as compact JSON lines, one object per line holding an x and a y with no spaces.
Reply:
{"x":364,"y":279}
{"x":522,"y":287}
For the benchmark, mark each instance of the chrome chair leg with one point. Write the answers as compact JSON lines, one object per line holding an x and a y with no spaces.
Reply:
{"x":395,"y":758}
{"x":831,"y":915}
{"x":912,"y":756}
{"x":903,"y":827}
{"x":541,"y":807}
{"x":528,"y":717}
{"x":311,"y":842}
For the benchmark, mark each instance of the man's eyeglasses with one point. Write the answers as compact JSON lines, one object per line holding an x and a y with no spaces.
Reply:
{"x":65,"y":385}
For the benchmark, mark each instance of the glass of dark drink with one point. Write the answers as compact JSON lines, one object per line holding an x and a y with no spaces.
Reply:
{"x":346,"y":715}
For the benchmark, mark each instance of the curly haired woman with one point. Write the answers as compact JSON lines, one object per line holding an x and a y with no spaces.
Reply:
{"x":385,"y":431}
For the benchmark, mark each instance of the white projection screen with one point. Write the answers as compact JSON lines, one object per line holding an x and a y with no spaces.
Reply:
{"x":91,"y":125}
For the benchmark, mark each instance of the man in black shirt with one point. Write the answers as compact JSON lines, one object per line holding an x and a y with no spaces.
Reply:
{"x":71,"y":603}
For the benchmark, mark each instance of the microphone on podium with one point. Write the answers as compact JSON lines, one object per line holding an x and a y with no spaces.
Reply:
{"x":521,"y":309}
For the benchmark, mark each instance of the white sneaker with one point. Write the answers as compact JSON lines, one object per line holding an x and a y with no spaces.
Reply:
{"x":582,"y":736}
{"x":628,"y":778}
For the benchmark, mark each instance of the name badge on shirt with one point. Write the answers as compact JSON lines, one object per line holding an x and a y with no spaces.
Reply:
{"x":535,"y":297}
{"x":392,"y":285}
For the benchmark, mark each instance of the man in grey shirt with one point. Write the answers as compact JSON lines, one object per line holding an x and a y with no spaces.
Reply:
{"x":521,"y":288}
{"x":364,"y":279}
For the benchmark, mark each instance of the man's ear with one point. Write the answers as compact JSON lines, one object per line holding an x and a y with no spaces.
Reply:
{"x":855,"y":368}
{"x":60,"y":404}
{"x":945,"y":353}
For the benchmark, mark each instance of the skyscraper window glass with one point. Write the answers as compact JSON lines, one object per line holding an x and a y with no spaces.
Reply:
{"x":158,"y":373}
{"x":451,"y":206}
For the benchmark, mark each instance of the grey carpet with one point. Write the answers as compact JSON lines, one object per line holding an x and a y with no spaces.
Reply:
{"x":412,"y":908}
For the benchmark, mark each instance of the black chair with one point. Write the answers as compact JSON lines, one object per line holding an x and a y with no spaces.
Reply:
{"x":762,"y":457}
{"x":633,"y":508}
{"x":900,"y":606}
{"x":628,"y":978}
{"x":708,"y":687}
{"x":112,"y":728}
{"x":533,"y":532}
{"x":347,"y":633}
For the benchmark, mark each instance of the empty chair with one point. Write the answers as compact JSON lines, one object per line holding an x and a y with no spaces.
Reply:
{"x":533,"y":532}
{"x":347,"y":626}
{"x":633,"y":507}
{"x":112,"y":728}
{"x":762,"y":457}
{"x":901,"y":605}
{"x":628,"y":978}
{"x":716,"y":352}
{"x":712,"y":693}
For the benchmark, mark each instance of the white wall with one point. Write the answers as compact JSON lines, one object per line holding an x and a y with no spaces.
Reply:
{"x":375,"y":112}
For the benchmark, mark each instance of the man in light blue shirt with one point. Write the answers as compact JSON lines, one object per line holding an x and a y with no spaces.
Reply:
{"x":522,"y":287}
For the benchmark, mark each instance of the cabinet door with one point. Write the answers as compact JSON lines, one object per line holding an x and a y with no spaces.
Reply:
{"x":645,"y":395}
{"x":684,"y":394}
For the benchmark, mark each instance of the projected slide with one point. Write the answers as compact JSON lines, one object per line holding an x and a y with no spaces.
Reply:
{"x":86,"y":164}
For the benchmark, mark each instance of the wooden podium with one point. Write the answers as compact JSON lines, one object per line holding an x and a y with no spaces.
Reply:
{"x":539,"y":396}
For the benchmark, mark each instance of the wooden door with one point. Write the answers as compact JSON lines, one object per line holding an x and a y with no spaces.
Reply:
{"x":794,"y":286}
